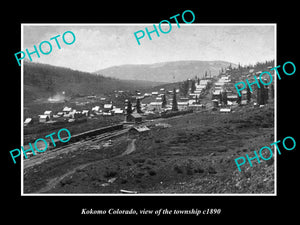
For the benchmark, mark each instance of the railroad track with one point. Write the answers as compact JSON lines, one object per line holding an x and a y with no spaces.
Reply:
{"x":56,"y":151}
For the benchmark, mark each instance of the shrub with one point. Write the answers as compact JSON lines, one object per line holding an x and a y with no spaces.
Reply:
{"x":65,"y":182}
{"x":123,"y":181}
{"x":109,"y":174}
{"x":178,"y":169}
{"x":152,"y":172}
{"x":198,"y":170}
{"x":211,"y":170}
{"x":150,"y":162}
{"x":189,"y":171}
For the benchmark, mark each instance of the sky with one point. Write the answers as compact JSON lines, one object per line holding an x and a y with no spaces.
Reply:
{"x":98,"y":46}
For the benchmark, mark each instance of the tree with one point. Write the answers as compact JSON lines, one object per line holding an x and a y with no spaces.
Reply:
{"x":197,"y":101}
{"x":174,"y":101}
{"x":220,"y":98}
{"x":193,"y":86}
{"x":239,"y":99}
{"x":266,"y":95}
{"x":184,"y":88}
{"x":129,"y":108}
{"x":258,"y":97}
{"x":248,"y":95}
{"x":164,"y":101}
{"x":261,"y":95}
{"x":224,"y":98}
{"x":138,"y":106}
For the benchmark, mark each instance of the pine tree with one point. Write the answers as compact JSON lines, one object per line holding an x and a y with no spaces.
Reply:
{"x":258,"y":96}
{"x":174,"y":101}
{"x":164,"y":101}
{"x":266,"y":95}
{"x":224,"y":98}
{"x":138,"y":106}
{"x":261,"y":95}
{"x":193,"y":86}
{"x":239,"y":99}
{"x":129,"y":108}
{"x":221,"y":98}
{"x":184,"y":88}
{"x":248,"y":95}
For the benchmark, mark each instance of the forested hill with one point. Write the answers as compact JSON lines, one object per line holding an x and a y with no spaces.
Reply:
{"x":42,"y":81}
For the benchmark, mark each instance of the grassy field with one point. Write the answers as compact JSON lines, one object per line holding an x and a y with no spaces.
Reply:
{"x":195,"y":155}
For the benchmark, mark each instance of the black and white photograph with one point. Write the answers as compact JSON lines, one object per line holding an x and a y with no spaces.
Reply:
{"x":141,"y":111}
{"x":144,"y":109}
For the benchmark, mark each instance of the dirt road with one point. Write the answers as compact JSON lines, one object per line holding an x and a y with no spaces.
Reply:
{"x":131,"y":148}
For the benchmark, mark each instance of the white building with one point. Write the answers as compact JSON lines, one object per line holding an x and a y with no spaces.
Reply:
{"x":108,"y":106}
{"x":49,"y":114}
{"x":66,"y":110}
{"x":96,"y":108}
{"x":43,"y":118}
{"x":225,"y":110}
{"x":118,"y":111}
{"x":155,"y":105}
{"x":182,"y":105}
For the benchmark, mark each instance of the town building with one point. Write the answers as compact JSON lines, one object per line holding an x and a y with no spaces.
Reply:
{"x":139,"y":130}
{"x":225,"y":110}
{"x":157,"y":106}
{"x":86,"y":112}
{"x":49,"y":114}
{"x":182,"y":105}
{"x":28,"y":121}
{"x":66,"y":110}
{"x":43,"y":118}
{"x":134,"y":117}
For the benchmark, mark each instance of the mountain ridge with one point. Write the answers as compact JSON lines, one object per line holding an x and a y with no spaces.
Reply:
{"x":170,"y":71}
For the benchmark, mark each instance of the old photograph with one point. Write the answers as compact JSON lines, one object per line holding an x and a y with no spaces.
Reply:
{"x":148,"y":109}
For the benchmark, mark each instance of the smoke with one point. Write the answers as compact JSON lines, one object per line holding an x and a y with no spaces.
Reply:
{"x":57,"y":97}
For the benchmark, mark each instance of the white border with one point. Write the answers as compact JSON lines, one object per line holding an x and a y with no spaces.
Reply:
{"x":22,"y":113}
{"x":143,"y":24}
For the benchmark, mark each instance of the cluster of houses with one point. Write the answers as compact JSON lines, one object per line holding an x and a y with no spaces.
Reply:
{"x":225,"y":84}
{"x":70,"y":115}
{"x":183,"y":103}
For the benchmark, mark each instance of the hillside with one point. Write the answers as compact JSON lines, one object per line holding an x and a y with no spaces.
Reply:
{"x":43,"y":81}
{"x":165,"y":72}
